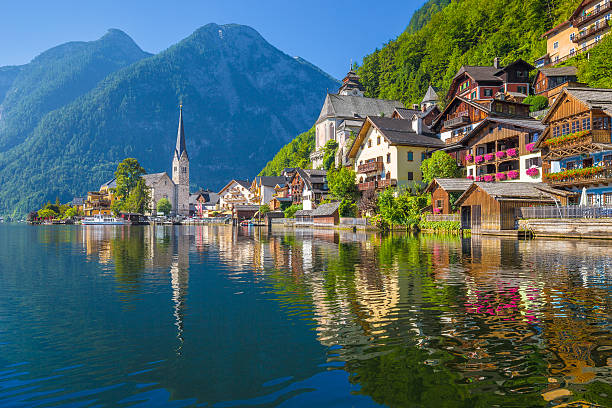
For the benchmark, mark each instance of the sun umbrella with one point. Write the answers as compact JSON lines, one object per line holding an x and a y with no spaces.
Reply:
{"x":583,"y":197}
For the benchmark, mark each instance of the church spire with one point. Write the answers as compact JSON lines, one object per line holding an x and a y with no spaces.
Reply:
{"x":180,"y":137}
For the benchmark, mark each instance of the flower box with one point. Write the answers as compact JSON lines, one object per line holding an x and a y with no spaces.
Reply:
{"x":478,"y":178}
{"x":489,"y":177}
{"x":529,"y":147}
{"x":513,"y":174}
{"x":574,"y":173}
{"x":469,"y":158}
{"x":512,"y":152}
{"x":470,"y":177}
{"x":489,"y":157}
{"x":533,"y":172}
{"x":478,"y":159}
{"x":500,"y":154}
{"x":563,"y":139}
{"x":500,"y":176}
{"x":437,"y":210}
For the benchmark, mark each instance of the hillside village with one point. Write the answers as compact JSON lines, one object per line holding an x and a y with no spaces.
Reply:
{"x":509,"y":156}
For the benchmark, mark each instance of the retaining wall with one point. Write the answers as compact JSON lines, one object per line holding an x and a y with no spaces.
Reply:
{"x":569,"y":228}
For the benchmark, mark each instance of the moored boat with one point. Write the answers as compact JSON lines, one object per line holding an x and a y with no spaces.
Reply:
{"x":103,"y":220}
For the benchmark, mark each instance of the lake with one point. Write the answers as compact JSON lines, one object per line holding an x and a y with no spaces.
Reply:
{"x":163,"y":316}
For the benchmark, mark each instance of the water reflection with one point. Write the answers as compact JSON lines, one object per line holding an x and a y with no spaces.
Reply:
{"x":245,"y":317}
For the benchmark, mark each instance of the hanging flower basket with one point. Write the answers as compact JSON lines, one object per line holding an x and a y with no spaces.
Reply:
{"x":437,"y":210}
{"x":500,"y":176}
{"x":533,"y":172}
{"x":478,"y":178}
{"x":479,"y":159}
{"x":512,"y":152}
{"x":489,"y":157}
{"x":500,"y":154}
{"x":530,"y":147}
{"x":470,"y":177}
{"x":469,"y":158}
{"x":513,"y":174}
{"x":489,"y":178}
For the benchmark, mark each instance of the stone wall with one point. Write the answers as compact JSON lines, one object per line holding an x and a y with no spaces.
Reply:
{"x":569,"y":228}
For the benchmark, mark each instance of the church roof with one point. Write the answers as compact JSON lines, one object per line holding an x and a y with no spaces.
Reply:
{"x":356,"y":107}
{"x":154,"y":178}
{"x":430,"y":95}
{"x":180,"y":137}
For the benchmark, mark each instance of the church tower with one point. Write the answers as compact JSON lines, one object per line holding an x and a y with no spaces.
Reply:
{"x":180,"y":171}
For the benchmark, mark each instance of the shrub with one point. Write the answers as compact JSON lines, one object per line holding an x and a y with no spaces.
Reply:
{"x":537,"y":102}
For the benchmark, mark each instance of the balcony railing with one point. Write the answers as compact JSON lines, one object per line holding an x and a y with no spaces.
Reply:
{"x":382,"y":184}
{"x":578,"y":140}
{"x":370,"y":167}
{"x":580,"y":177}
{"x":376,"y":184}
{"x":582,"y":20}
{"x":368,"y":185}
{"x":461,"y":120}
{"x":591,"y":31}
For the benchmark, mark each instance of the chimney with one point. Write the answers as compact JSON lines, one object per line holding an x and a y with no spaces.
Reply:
{"x":496,"y":63}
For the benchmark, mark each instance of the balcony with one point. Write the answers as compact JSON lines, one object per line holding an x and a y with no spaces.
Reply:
{"x":376,"y":184}
{"x":368,"y":185}
{"x":580,"y":177}
{"x":583,"y":35}
{"x":382,"y":184}
{"x":371,"y":167}
{"x":461,"y":119}
{"x":598,"y":11}
{"x":576,"y":143}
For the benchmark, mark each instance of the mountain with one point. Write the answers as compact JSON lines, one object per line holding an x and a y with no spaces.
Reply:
{"x":242,"y":100}
{"x":57,"y":77}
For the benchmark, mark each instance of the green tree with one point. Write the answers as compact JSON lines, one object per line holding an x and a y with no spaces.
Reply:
{"x":343,"y":188}
{"x":264,"y":209}
{"x":329,"y":155}
{"x":138,"y":199}
{"x":71,"y":212}
{"x":128,"y":173}
{"x":290,"y":211}
{"x":294,"y":154}
{"x":164,"y":206}
{"x":439,"y":165}
{"x":47,"y":213}
{"x":537,"y":102}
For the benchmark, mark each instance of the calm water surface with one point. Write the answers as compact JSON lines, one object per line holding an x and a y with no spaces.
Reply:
{"x":210,"y":316}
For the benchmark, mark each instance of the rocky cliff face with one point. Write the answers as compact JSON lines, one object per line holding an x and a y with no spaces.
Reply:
{"x":243,"y":99}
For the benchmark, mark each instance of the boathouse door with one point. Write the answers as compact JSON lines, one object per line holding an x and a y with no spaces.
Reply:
{"x":476,"y":222}
{"x":466,"y":218}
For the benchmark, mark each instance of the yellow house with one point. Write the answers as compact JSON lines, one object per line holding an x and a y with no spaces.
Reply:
{"x":99,"y":202}
{"x":389,"y":152}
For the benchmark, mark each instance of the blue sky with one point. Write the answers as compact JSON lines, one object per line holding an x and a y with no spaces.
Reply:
{"x":326,"y":33}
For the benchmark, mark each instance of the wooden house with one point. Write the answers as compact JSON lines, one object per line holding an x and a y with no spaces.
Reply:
{"x":280,"y":203}
{"x":577,"y":144}
{"x":549,"y":79}
{"x":326,"y":214}
{"x":389,"y":152}
{"x":263,"y":188}
{"x":236,"y":192}
{"x":443,"y":189}
{"x":492,"y":207}
{"x":308,"y":187}
{"x":479,"y":83}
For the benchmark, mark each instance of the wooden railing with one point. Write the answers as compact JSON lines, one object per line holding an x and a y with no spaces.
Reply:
{"x":592,"y":15}
{"x":368,"y":185}
{"x":386,"y":183}
{"x":460,"y":120}
{"x":376,"y":184}
{"x":370,"y":167}
{"x":591,"y":31}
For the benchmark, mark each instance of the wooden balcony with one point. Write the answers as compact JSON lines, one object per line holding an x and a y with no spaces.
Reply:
{"x":368,"y":185}
{"x":382,"y":184}
{"x":586,"y":144}
{"x":376,"y":184}
{"x":589,"y":32}
{"x":602,"y":177}
{"x":597,"y":12}
{"x":371,"y":167}
{"x":462,"y":119}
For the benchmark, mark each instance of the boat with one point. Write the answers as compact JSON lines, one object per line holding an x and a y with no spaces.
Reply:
{"x":103,"y":220}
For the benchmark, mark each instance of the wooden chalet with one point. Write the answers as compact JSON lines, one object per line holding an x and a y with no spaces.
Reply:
{"x":326,"y":214}
{"x":442,"y":189}
{"x":483,"y":82}
{"x":280,"y":203}
{"x":493,"y":207}
{"x":577,"y":144}
{"x":308,"y":185}
{"x":549,"y":79}
{"x":236,"y":192}
{"x":501,"y":149}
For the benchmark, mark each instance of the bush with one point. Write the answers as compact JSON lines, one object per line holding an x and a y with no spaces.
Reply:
{"x":290,"y":211}
{"x":440,"y":225}
{"x":537,"y":102}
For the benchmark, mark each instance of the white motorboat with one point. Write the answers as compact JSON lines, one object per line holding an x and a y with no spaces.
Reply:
{"x":103,"y":220}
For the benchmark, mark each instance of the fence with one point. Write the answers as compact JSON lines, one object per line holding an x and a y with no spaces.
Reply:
{"x":539,"y":113}
{"x":442,"y":217}
{"x":353,"y":221}
{"x":571,"y":211}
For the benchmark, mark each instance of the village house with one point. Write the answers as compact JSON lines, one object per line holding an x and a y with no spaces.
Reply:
{"x":236,"y":192}
{"x":389,"y":152}
{"x":549,"y":82}
{"x":492,"y":207}
{"x":280,"y":203}
{"x":343,"y":114}
{"x":201,"y":202}
{"x":577,"y":144}
{"x":445,"y":192}
{"x":461,"y":115}
{"x":479,"y":83}
{"x":263,"y":188}
{"x":99,"y":202}
{"x":501,"y":149}
{"x":309,"y":187}
{"x":585,"y":28}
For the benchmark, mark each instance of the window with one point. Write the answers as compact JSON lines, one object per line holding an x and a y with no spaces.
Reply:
{"x":572,"y":51}
{"x":575,"y":126}
{"x":556,"y":45}
{"x":378,"y":140}
{"x":410,"y":156}
{"x":556,"y":58}
{"x":565,"y":128}
{"x":439,"y":204}
{"x":583,"y":46}
{"x":473,"y":95}
{"x":388,"y":157}
{"x":556,"y":131}
{"x":423,"y":156}
{"x":470,"y":172}
{"x":522,"y":89}
{"x":533,"y":162}
{"x":488,"y":92}
{"x":369,"y":143}
{"x":410,"y":175}
{"x":512,"y":109}
{"x":176,"y":169}
{"x":608,"y":199}
{"x":586,"y":124}
{"x":570,"y":165}
{"x":597,"y":38}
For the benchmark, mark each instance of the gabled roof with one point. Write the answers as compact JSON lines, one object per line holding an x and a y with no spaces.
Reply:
{"x":430,"y":96}
{"x":243,"y":183}
{"x":325,"y":210}
{"x":479,"y":73}
{"x":405,"y":113}
{"x":516,"y":191}
{"x":593,"y":98}
{"x":456,"y":100}
{"x":270,"y":181}
{"x":154,"y":178}
{"x":112,"y":183}
{"x":356,"y":107}
{"x":311,"y":176}
{"x":559,"y":71}
{"x":532,"y":124}
{"x":450,"y":184}
{"x":210,"y":196}
{"x":558,"y":27}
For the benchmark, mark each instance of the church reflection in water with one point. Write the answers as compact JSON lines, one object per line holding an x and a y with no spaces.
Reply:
{"x":415,"y":320}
